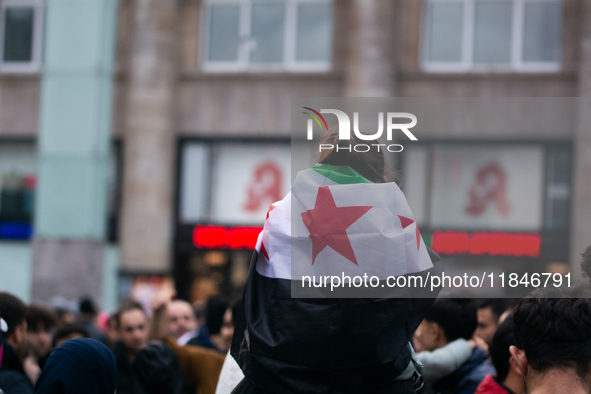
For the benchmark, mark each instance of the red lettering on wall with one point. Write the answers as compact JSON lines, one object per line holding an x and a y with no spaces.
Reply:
{"x":490,"y":186}
{"x":218,"y":237}
{"x":484,"y":243}
{"x":265,"y":188}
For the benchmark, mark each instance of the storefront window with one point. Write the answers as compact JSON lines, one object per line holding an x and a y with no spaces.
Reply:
{"x":18,"y":168}
{"x":493,"y":187}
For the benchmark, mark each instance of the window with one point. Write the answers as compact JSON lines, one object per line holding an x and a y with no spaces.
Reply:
{"x":18,"y":181}
{"x":232,"y":183}
{"x":489,"y":187}
{"x":486,"y":35}
{"x":18,"y":168}
{"x":20,"y":35}
{"x":267,"y":35}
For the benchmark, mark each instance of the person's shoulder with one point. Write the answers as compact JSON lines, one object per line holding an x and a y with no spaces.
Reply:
{"x":13,"y":381}
{"x":480,"y":371}
{"x":490,"y":386}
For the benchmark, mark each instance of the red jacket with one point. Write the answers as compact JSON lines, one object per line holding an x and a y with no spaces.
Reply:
{"x":490,"y":386}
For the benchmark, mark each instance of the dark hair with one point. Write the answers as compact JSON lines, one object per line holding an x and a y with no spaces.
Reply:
{"x":455,"y":316}
{"x":214,"y":314}
{"x":498,"y":306}
{"x":370,"y":164}
{"x":87,"y":306}
{"x":68,"y":330}
{"x":555,"y":332}
{"x":114,"y":318}
{"x":14,"y":311}
{"x":499,"y":348}
{"x":158,"y":369}
{"x":38,"y":316}
{"x":128,"y":306}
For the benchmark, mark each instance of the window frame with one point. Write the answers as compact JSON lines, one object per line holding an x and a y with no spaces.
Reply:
{"x":467,"y":64}
{"x":34,"y":65}
{"x":243,"y":64}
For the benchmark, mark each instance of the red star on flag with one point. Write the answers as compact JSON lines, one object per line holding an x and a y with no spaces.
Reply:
{"x":327,"y":224}
{"x":407,"y":222}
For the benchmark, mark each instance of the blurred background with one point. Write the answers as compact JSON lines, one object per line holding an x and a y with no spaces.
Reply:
{"x":142,"y":141}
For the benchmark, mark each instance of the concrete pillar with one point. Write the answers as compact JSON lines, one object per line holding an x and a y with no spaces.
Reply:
{"x":74,"y":134}
{"x":580,"y":231}
{"x":149,"y":139}
{"x":370,"y":65}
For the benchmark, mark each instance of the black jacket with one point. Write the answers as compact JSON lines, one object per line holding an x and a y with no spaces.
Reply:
{"x":13,"y":379}
{"x":128,"y":381}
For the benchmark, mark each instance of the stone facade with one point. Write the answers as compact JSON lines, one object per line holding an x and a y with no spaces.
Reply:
{"x":162,"y":95}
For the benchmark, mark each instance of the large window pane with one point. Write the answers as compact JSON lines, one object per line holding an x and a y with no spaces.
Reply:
{"x":492,"y":32}
{"x":18,"y":35}
{"x":314,"y":35}
{"x":223,"y":32}
{"x":267,"y":30}
{"x":444,"y":35}
{"x":542,"y":32}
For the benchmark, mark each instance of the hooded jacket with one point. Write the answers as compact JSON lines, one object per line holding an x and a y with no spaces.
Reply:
{"x":77,"y":366}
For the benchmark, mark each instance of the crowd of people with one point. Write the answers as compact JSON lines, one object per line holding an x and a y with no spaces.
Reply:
{"x":178,"y":349}
{"x":271,"y":342}
{"x":540,"y":344}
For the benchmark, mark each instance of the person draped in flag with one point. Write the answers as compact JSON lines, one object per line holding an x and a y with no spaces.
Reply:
{"x":340,"y":219}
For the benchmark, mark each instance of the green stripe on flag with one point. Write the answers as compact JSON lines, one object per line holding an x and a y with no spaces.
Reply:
{"x":340,"y":174}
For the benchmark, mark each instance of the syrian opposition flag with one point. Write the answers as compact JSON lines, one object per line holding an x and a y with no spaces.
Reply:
{"x":292,"y":335}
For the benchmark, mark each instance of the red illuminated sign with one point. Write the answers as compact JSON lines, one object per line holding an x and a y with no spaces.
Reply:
{"x":484,"y":243}
{"x":218,"y":237}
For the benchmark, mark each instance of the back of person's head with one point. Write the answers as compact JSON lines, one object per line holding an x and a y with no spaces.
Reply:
{"x":555,"y":333}
{"x":214,"y":314}
{"x":499,"y":349}
{"x":87,"y":307}
{"x":158,"y":369}
{"x":69,"y":331}
{"x":40,"y":318}
{"x":369,"y":164}
{"x":81,"y":365}
{"x":14,"y":312}
{"x":455,"y":316}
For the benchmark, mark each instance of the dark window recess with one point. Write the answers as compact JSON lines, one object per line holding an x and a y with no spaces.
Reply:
{"x":17,"y":197}
{"x":18,"y":35}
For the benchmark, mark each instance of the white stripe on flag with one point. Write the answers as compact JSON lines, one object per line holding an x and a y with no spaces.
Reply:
{"x":384,"y":244}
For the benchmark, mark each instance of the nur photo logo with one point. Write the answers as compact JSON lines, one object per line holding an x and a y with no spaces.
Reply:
{"x":344,"y":125}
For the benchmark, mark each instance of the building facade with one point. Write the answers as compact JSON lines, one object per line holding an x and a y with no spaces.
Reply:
{"x":200,"y":132}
